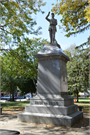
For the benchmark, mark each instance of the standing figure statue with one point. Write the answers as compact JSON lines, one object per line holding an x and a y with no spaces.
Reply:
{"x":52,"y":27}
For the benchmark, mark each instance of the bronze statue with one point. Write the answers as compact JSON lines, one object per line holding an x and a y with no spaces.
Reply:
{"x":52,"y":27}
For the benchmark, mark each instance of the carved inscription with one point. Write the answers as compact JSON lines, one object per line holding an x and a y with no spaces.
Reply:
{"x":45,"y":103}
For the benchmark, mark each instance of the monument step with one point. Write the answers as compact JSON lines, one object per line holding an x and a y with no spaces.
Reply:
{"x":53,"y":119}
{"x":47,"y":109}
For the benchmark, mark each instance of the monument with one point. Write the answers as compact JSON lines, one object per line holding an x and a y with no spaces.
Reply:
{"x":52,"y":105}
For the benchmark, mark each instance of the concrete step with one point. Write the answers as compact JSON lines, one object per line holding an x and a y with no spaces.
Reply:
{"x":47,"y":109}
{"x":53,"y":119}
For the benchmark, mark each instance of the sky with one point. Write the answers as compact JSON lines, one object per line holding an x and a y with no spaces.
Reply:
{"x":60,"y":35}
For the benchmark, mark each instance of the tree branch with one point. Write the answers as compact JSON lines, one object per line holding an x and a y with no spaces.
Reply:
{"x":3,"y":25}
{"x":77,"y":47}
{"x":5,"y":30}
{"x":85,"y":28}
{"x":85,"y":4}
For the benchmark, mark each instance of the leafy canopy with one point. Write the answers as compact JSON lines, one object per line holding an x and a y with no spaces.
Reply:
{"x":78,"y":69}
{"x":19,"y":66}
{"x":75,"y":15}
{"x":16,"y":19}
{"x":24,"y":54}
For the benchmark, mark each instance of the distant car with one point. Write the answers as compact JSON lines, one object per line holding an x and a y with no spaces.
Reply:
{"x":20,"y":97}
{"x":15,"y":97}
{"x":5,"y":98}
{"x":28,"y":97}
{"x":2,"y":98}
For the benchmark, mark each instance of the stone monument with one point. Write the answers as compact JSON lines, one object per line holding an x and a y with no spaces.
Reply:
{"x":52,"y":105}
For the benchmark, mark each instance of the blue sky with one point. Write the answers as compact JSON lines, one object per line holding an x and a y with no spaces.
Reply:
{"x":60,"y":36}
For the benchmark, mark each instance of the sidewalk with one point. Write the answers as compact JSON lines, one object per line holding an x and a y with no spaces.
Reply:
{"x":9,"y":121}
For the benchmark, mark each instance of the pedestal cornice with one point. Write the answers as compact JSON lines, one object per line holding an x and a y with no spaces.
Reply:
{"x":51,"y":51}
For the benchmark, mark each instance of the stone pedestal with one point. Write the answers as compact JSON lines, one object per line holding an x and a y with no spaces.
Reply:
{"x":52,"y":105}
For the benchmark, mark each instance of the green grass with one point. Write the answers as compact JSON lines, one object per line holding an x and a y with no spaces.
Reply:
{"x":7,"y":106}
{"x":10,"y":106}
{"x":83,"y":100}
{"x":86,"y":106}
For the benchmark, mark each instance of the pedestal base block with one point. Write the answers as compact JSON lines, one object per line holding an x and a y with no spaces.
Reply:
{"x":51,"y":111}
{"x":42,"y":118}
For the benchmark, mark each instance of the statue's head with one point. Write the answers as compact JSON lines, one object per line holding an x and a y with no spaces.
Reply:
{"x":52,"y":14}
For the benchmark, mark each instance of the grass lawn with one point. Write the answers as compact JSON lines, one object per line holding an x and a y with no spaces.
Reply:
{"x":84,"y":100}
{"x":9,"y":106}
{"x":86,"y":106}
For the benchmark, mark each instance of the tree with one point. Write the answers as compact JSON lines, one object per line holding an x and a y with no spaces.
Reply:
{"x":25,"y":55}
{"x":19,"y":66}
{"x":26,"y":85}
{"x":76,"y":19}
{"x":77,"y":70}
{"x":28,"y":64}
{"x":9,"y":84}
{"x":16,"y":19}
{"x":83,"y":54}
{"x":75,"y":15}
{"x":87,"y":10}
{"x":8,"y":75}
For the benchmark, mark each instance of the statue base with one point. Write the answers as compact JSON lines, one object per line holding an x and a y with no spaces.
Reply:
{"x":54,"y":111}
{"x":52,"y":105}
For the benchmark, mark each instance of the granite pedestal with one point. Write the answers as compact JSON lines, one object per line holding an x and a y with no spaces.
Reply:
{"x":52,"y":105}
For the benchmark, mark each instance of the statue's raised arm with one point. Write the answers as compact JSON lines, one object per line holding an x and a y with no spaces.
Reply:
{"x":52,"y":27}
{"x":47,"y":17}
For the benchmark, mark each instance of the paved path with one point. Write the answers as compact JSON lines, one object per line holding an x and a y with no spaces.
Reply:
{"x":9,"y":121}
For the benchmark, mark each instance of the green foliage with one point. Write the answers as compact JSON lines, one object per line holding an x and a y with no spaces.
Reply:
{"x":16,"y":19}
{"x":19,"y":66}
{"x":26,"y":85}
{"x":8,"y":72}
{"x":73,"y":14}
{"x":25,"y":55}
{"x":78,"y":70}
{"x":9,"y":83}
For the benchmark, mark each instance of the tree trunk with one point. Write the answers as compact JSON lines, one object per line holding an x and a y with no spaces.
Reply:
{"x":32,"y":95}
{"x":10,"y":92}
{"x":12,"y":99}
{"x":12,"y":96}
